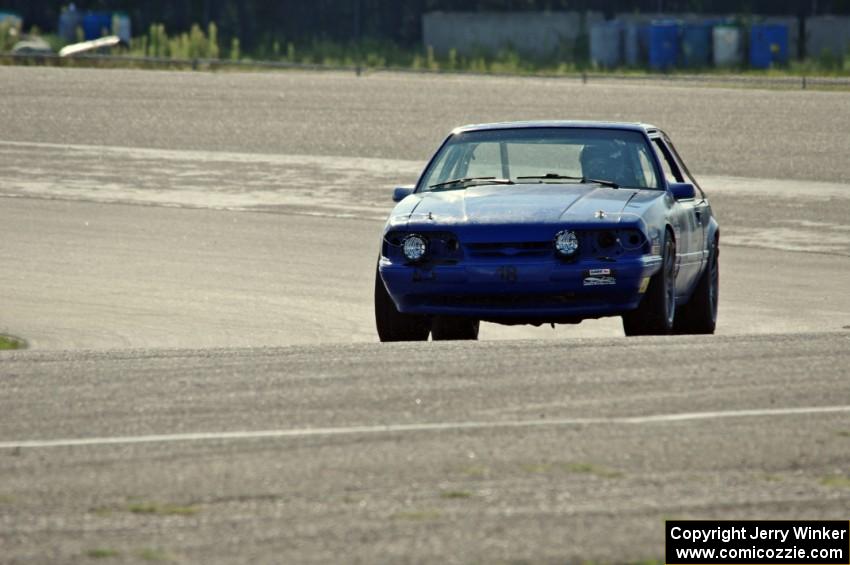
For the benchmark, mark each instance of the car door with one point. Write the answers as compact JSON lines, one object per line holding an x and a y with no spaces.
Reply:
{"x":687,"y":228}
{"x":702,"y":209}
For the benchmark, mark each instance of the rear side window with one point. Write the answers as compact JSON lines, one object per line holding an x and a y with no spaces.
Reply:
{"x":668,"y":164}
{"x":685,"y":172}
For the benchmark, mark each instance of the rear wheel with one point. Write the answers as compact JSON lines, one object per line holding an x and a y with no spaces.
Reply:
{"x":699,"y":315}
{"x":393,"y":325}
{"x":657,"y":311}
{"x":450,"y":328}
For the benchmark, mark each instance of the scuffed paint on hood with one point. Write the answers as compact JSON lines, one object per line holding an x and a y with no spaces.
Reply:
{"x":521,"y":204}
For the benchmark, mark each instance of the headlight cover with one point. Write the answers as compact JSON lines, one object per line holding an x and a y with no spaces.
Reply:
{"x":566,"y":243}
{"x":414,"y":247}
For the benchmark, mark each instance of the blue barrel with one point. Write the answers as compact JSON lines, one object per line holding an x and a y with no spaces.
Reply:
{"x":606,"y":44}
{"x":631,"y":44}
{"x":69,"y":21}
{"x":696,"y":45}
{"x":124,"y":27}
{"x":768,"y":45}
{"x":643,"y":43}
{"x":727,"y":46}
{"x":663,"y":45}
{"x":94,"y":24}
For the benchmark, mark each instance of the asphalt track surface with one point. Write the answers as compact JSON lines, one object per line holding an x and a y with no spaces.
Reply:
{"x":191,"y":256}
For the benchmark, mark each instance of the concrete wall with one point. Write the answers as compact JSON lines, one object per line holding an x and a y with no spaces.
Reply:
{"x":532,"y":33}
{"x":828,"y":33}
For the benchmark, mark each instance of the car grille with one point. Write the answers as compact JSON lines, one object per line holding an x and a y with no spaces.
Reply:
{"x":521,"y":249}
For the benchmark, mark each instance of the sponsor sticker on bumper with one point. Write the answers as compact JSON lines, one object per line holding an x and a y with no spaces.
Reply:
{"x":599,"y":277}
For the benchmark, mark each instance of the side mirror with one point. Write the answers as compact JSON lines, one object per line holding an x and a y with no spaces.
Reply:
{"x":683,"y":190}
{"x":402,"y":192}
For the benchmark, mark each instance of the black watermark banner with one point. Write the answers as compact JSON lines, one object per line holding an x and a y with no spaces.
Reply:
{"x":763,"y":542}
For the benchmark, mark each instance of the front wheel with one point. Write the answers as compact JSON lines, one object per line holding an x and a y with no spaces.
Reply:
{"x":393,"y":325}
{"x":657,"y":310}
{"x":449,"y":328}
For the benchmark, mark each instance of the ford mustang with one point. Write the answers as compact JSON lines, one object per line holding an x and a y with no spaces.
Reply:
{"x":549,"y":223}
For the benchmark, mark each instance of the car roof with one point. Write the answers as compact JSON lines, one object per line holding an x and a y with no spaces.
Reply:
{"x":632,"y":126}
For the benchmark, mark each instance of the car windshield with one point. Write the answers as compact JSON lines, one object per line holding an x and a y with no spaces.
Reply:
{"x":543,"y":155}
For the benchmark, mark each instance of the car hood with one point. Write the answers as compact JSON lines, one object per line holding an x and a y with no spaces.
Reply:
{"x":517,"y":204}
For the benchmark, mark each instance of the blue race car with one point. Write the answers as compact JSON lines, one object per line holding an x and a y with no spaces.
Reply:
{"x":549,"y":223}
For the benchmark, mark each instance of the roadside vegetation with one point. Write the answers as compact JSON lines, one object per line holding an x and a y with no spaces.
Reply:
{"x":206,"y":44}
{"x":9,"y":35}
{"x":8,"y":342}
{"x":162,"y":509}
{"x":836,"y":481}
{"x":152,"y":554}
{"x":102,"y":553}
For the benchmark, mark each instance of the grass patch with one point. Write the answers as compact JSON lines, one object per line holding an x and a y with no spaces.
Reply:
{"x":102,"y":553}
{"x":579,"y":468}
{"x":477,"y":471}
{"x":456,"y":494}
{"x":844,"y":433}
{"x":101,"y":511}
{"x":537,"y":468}
{"x":9,"y":342}
{"x":417,"y":515}
{"x":154,"y":554}
{"x":591,"y":469}
{"x":162,"y":509}
{"x":836,"y":481}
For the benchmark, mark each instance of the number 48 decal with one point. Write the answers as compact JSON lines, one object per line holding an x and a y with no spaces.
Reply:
{"x":507,"y":273}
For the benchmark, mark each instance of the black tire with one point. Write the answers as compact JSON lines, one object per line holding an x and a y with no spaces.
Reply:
{"x":449,"y":328}
{"x":393,"y":325}
{"x":699,"y":315}
{"x":656,"y":313}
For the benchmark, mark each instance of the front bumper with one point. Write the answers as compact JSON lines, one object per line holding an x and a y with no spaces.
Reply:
{"x":521,"y":292}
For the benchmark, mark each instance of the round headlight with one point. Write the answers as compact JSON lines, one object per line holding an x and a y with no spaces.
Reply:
{"x":566,"y":243}
{"x":414,"y":247}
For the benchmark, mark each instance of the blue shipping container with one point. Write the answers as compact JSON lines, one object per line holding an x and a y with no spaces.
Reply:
{"x":696,"y":45}
{"x":663,"y":45}
{"x":768,"y":45}
{"x":95,"y":23}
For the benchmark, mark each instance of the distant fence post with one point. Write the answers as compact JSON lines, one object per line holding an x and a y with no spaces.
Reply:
{"x":357,"y":49}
